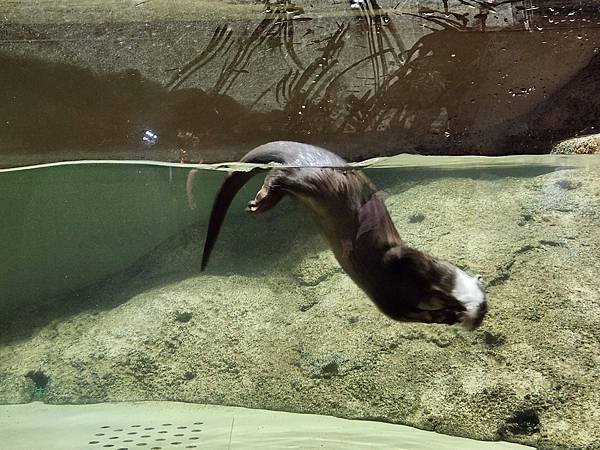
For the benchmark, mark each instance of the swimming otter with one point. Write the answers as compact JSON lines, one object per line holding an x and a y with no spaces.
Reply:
{"x":405,"y":283}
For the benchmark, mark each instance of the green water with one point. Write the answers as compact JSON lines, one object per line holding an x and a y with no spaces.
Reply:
{"x":68,"y":226}
{"x":103,"y":300}
{"x":71,"y":224}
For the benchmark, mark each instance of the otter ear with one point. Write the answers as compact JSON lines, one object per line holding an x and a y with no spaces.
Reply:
{"x":404,"y":260}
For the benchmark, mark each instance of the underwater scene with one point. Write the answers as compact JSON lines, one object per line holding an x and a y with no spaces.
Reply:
{"x":300,"y":224}
{"x":104,"y":302}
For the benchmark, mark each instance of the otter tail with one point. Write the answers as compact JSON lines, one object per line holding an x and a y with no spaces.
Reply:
{"x":230,"y":187}
{"x":282,"y":152}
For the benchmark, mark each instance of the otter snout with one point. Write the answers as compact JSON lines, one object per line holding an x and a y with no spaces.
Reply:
{"x":473,"y":319}
{"x":469,"y":292}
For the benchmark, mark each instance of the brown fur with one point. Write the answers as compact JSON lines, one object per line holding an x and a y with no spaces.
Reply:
{"x":405,"y":284}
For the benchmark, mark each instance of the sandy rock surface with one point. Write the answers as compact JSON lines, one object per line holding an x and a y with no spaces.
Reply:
{"x":275,"y":324}
{"x":584,"y":145}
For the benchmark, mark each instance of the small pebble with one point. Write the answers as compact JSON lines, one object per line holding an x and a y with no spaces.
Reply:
{"x":416,"y":218}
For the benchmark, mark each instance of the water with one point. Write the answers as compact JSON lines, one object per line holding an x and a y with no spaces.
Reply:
{"x":103,"y":301}
{"x":112,"y":337}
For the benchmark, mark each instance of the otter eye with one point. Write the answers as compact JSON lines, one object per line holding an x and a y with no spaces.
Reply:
{"x":431,"y":304}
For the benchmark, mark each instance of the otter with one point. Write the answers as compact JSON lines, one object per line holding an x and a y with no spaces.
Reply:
{"x":406,"y":284}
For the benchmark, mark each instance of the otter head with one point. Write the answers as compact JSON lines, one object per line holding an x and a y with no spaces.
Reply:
{"x":431,"y":291}
{"x":468,"y":291}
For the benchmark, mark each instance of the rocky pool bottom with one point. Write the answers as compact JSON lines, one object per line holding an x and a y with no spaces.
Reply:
{"x":275,"y":324}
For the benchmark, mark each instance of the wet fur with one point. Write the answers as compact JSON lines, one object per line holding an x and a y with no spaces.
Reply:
{"x":405,"y":283}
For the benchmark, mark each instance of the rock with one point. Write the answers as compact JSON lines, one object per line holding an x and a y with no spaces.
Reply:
{"x":312,"y":270}
{"x":416,"y":218}
{"x":16,"y":389}
{"x":277,"y":325}
{"x":183,"y":317}
{"x":584,"y":145}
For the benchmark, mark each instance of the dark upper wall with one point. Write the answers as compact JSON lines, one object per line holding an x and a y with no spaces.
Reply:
{"x":83,"y":79}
